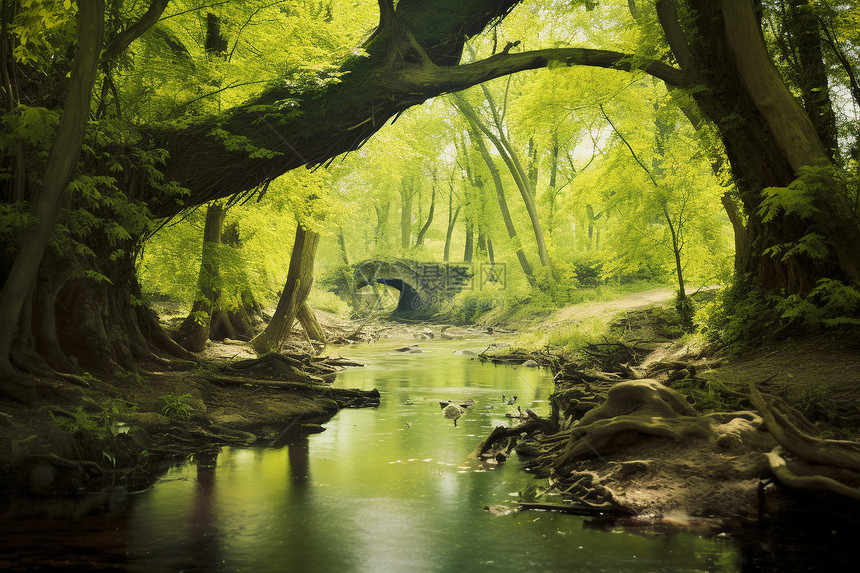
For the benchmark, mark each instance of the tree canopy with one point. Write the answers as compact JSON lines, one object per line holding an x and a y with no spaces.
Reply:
{"x":583,"y":141}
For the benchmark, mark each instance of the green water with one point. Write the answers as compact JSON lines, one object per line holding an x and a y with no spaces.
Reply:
{"x":385,"y":489}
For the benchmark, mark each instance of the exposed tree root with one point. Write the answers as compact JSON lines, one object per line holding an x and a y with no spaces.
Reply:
{"x":783,"y":424}
{"x":831,"y":465}
{"x":799,"y":474}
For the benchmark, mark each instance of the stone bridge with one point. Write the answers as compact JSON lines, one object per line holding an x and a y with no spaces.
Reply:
{"x":423,"y":286}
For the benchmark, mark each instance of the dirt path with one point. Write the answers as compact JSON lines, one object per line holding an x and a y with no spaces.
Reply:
{"x":631,"y":301}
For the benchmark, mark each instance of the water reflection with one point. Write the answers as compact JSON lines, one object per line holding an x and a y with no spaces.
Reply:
{"x":386,"y":489}
{"x":389,"y":489}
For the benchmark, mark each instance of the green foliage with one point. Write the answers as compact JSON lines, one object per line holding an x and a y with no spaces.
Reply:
{"x":800,"y":195}
{"x":709,"y":395}
{"x":468,"y":307}
{"x":830,"y":304}
{"x":42,"y":28}
{"x":738,"y":316}
{"x":328,"y":302}
{"x":817,"y":404}
{"x":94,"y":427}
{"x":800,"y":198}
{"x":177,"y":407}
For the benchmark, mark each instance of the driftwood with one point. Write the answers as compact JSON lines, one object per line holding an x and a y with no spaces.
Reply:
{"x":295,"y":386}
{"x":580,"y":508}
{"x":489,"y":445}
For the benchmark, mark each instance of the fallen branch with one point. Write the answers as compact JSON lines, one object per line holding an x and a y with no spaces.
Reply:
{"x":581,"y":508}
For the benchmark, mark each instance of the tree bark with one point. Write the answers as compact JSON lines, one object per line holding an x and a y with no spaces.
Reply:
{"x":812,"y":73}
{"x":309,"y":322}
{"x":299,"y":280}
{"x":61,"y":164}
{"x":194,"y":330}
{"x":406,"y":194}
{"x":469,"y":244}
{"x":512,"y":161}
{"x":420,"y":239}
{"x":452,"y":220}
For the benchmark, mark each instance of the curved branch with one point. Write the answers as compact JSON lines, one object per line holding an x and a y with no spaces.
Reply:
{"x":455,"y":78}
{"x":122,"y":41}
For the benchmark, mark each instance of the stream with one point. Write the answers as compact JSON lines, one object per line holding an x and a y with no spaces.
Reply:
{"x":385,"y":489}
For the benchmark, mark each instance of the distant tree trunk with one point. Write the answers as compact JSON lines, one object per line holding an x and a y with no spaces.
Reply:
{"x":194,"y":330}
{"x":406,"y":193}
{"x":478,"y":141}
{"x":509,"y":156}
{"x":452,"y":220}
{"x":533,"y":170}
{"x":299,"y":280}
{"x":420,"y":239}
{"x":593,"y":240}
{"x":341,"y":241}
{"x":490,"y":252}
{"x":482,"y":243}
{"x":553,"y":181}
{"x":469,"y":247}
{"x":682,"y":304}
{"x":381,"y":222}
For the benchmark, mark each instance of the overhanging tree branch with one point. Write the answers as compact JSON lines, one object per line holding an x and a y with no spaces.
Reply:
{"x":124,"y":39}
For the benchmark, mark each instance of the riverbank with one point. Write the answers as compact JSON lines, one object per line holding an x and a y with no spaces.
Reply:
{"x":124,"y":431}
{"x":650,"y":424}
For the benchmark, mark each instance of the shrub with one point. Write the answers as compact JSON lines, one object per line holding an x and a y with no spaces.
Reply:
{"x":176,"y":407}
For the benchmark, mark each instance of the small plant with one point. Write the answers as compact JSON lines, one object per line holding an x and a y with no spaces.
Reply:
{"x":177,"y":407}
{"x":89,"y":378}
{"x":96,"y":426}
{"x":817,"y":404}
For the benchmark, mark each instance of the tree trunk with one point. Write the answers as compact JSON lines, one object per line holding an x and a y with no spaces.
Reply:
{"x":812,"y":73}
{"x":341,"y":241}
{"x":309,"y":322}
{"x":406,"y":194}
{"x":449,"y":233}
{"x":469,"y":247}
{"x":770,"y":143}
{"x":381,"y":222}
{"x":420,"y":239}
{"x":509,"y":156}
{"x":299,"y":279}
{"x":478,"y":141}
{"x":194,"y":330}
{"x":682,"y":304}
{"x":61,"y":164}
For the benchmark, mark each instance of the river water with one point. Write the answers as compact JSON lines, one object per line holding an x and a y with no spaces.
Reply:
{"x":386,"y":489}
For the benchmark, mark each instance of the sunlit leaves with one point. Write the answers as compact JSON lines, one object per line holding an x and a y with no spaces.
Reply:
{"x":42,"y":28}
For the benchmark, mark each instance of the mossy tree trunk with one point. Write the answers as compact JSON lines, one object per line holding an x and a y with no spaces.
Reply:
{"x":20,"y":284}
{"x":194,"y":330}
{"x":300,"y":277}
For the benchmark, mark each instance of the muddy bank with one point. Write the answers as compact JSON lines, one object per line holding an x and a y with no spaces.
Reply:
{"x":645,"y":426}
{"x":123,"y":432}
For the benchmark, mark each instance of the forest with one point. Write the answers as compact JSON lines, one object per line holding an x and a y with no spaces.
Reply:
{"x":211,"y":208}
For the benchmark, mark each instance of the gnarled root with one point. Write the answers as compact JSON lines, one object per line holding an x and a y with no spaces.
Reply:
{"x":832,"y":465}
